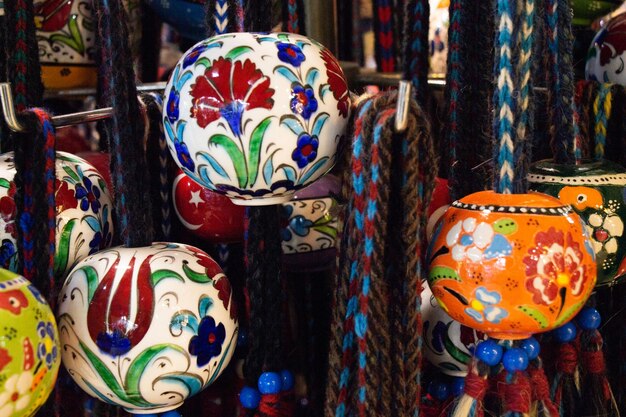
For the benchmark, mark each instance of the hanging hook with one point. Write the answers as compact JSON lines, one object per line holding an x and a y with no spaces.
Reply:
{"x":8,"y":108}
{"x":402,"y":106}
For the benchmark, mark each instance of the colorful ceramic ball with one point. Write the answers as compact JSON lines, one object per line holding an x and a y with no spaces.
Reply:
{"x":511,"y":265}
{"x":29,"y":351}
{"x":448,"y":344}
{"x":309,"y":236}
{"x":145,"y":328}
{"x":83,"y":209}
{"x":205,"y":213}
{"x":596,"y":191}
{"x":256,"y":116}
{"x":605,"y":59}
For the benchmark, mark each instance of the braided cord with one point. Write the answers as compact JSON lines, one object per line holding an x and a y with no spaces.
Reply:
{"x":385,"y":54}
{"x":415,"y":61}
{"x":221,"y":16}
{"x":503,"y":98}
{"x":602,"y":113}
{"x":291,"y":23}
{"x":453,"y":81}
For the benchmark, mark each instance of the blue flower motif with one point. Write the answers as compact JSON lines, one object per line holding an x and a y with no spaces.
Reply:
{"x":183,"y":156}
{"x":88,"y":194}
{"x":483,"y":307}
{"x":290,"y":53}
{"x":303,"y":100}
{"x":47,"y":348}
{"x":100,"y":239}
{"x":113,"y":343}
{"x":37,"y":294}
{"x":300,"y":225}
{"x":7,"y":251}
{"x":172,"y":105}
{"x":207,"y":344}
{"x":194,"y":54}
{"x":306,"y":151}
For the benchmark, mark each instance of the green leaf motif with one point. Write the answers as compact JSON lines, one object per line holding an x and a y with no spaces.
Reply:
{"x":198,"y":277}
{"x":569,"y":313}
{"x":71,"y":173}
{"x":237,"y":52}
{"x":534,"y":314}
{"x":442,"y":272}
{"x":287,"y":73}
{"x":454,"y":351}
{"x":204,"y":61}
{"x":68,"y":158}
{"x":4,"y":183}
{"x":320,"y":121}
{"x":293,"y":123}
{"x":254,"y":155}
{"x":62,"y":255}
{"x":161,"y":274}
{"x":74,"y":39}
{"x":326,"y":230}
{"x":505,"y":226}
{"x":91,"y":276}
{"x":191,"y":382}
{"x":236,"y":156}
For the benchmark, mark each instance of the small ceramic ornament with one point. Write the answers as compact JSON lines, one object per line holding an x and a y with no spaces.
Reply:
{"x":29,"y":347}
{"x":256,"y":116}
{"x":511,"y":265}
{"x":186,"y":16}
{"x":145,"y":328}
{"x":83,"y":203}
{"x":605,"y":59}
{"x":596,"y":191}
{"x":447,"y":343}
{"x":311,"y":224}
{"x":205,"y":213}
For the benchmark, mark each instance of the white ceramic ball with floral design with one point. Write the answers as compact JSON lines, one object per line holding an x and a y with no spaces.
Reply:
{"x":605,"y":59}
{"x":83,"y":203}
{"x":145,"y":328}
{"x":256,"y":116}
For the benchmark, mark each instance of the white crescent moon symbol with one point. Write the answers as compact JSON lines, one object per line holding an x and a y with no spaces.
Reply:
{"x":186,"y":224}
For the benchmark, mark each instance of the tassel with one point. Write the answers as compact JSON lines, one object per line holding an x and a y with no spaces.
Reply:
{"x":565,"y":392}
{"x":542,"y":405}
{"x":470,"y":404}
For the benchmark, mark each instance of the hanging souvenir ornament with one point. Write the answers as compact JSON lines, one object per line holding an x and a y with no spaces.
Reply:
{"x":607,"y":53}
{"x":447,"y":343}
{"x":205,"y":213}
{"x":310,"y":234}
{"x":146,"y":328}
{"x":29,"y":353}
{"x":84,"y":212}
{"x":256,"y":116}
{"x":595,"y":190}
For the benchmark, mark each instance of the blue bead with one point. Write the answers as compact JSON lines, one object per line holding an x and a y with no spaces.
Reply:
{"x":287,"y":380}
{"x":589,"y":318}
{"x":171,"y":413}
{"x":458,"y":385}
{"x":249,"y":397}
{"x":439,"y":389}
{"x":515,"y":359}
{"x":270,"y":383}
{"x":565,"y":333}
{"x":489,"y":352}
{"x":531,"y":347}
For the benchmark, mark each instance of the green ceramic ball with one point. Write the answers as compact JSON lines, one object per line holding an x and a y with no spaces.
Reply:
{"x":29,"y":347}
{"x":595,"y":190}
{"x":586,"y":11}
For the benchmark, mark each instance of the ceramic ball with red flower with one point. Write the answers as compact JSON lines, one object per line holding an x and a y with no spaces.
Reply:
{"x":83,"y":212}
{"x":256,"y":116}
{"x":511,"y":265}
{"x":605,"y":59}
{"x":309,"y":236}
{"x":205,"y":213}
{"x":146,"y":327}
{"x":29,"y":349}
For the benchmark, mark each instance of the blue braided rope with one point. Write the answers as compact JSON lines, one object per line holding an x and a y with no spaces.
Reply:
{"x":221,"y":17}
{"x":503,"y":98}
{"x":419,"y":48}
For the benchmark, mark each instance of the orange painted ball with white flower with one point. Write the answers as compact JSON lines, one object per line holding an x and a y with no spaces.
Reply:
{"x":511,"y":265}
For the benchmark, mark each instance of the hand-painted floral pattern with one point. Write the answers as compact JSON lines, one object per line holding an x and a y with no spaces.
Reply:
{"x":8,"y":212}
{"x":47,"y":348}
{"x":310,"y":225}
{"x":182,"y":152}
{"x":290,"y":53}
{"x":337,"y":83}
{"x":88,"y":194}
{"x":16,"y":395}
{"x":226,"y":90}
{"x":605,"y":231}
{"x":306,"y":151}
{"x":222,"y":285}
{"x":554,"y":267}
{"x":208,"y":343}
{"x":484,"y":306}
{"x":101,"y":239}
{"x":303,"y":102}
{"x":474,"y":241}
{"x":172,"y":106}
{"x":195,"y":53}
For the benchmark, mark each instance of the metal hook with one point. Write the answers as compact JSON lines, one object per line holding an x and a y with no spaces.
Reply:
{"x":402,"y":106}
{"x":8,"y":108}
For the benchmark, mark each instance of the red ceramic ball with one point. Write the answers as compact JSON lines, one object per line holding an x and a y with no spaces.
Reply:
{"x":206,"y":214}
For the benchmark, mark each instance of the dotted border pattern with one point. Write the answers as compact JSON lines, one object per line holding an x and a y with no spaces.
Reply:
{"x":607,"y":179}
{"x":548,"y":211}
{"x":16,"y":282}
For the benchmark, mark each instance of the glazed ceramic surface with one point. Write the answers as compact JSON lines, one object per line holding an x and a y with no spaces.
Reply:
{"x":606,"y":56}
{"x":311,"y":226}
{"x":511,"y":265}
{"x":29,"y":347}
{"x":447,"y":343}
{"x":256,"y":116}
{"x":205,"y":213}
{"x":586,"y":11}
{"x":145,"y":328}
{"x":187,"y":17}
{"x":84,"y":221}
{"x":595,"y":190}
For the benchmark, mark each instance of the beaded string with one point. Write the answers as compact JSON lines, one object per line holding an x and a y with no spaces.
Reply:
{"x":383,"y":28}
{"x":602,"y":107}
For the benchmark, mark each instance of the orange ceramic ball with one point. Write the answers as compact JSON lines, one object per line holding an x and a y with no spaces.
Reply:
{"x":511,"y":265}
